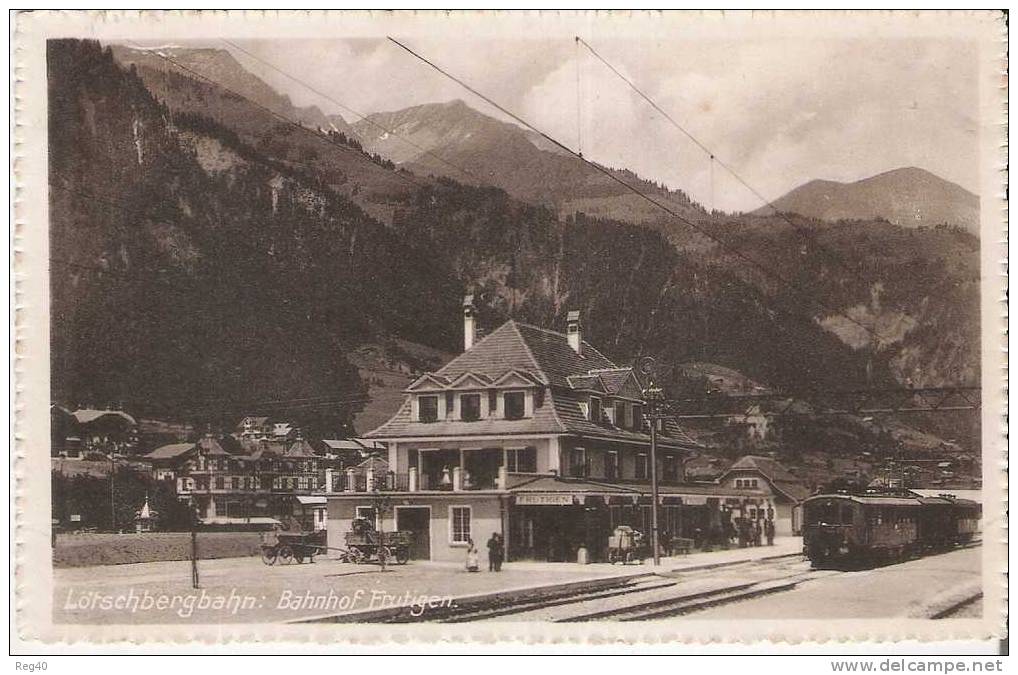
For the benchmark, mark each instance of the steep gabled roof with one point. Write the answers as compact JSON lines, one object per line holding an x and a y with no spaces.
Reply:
{"x":777,"y":475}
{"x":300,"y":449}
{"x":543,"y":353}
{"x":211,"y":446}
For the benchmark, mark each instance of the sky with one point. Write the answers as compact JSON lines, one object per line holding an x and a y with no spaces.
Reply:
{"x":780,"y":112}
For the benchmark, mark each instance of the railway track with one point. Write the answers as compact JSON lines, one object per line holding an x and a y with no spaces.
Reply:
{"x":642,"y":597}
{"x":646,"y":598}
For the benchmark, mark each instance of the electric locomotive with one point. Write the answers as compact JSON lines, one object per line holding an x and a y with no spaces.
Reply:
{"x":844,"y":529}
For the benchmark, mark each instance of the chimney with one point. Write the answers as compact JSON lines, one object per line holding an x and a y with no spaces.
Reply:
{"x":469,"y":322}
{"x":573,"y":331}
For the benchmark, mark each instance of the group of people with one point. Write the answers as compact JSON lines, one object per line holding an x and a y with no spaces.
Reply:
{"x":753,"y":532}
{"x":496,"y":554}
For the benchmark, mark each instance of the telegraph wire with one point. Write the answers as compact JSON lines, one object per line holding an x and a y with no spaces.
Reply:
{"x":362,"y":116}
{"x":724,"y":165}
{"x":467,"y":171}
{"x":402,"y":175}
{"x":664,"y":207}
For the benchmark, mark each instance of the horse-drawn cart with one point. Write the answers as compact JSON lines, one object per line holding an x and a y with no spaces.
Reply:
{"x":374,"y":546}
{"x":287,"y":547}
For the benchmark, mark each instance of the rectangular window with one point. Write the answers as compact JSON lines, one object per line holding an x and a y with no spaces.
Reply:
{"x":368,"y":514}
{"x":428,"y":407}
{"x":514,"y":402}
{"x":521,"y":460}
{"x":235,"y":482}
{"x":578,"y":462}
{"x":638,"y":417}
{"x":595,"y":410}
{"x":459,"y":524}
{"x":611,"y":465}
{"x":219,"y":483}
{"x":620,"y":414}
{"x":470,"y":407}
{"x":641,"y":466}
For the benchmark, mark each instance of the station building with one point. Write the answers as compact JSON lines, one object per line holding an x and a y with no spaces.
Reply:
{"x":536,"y":435}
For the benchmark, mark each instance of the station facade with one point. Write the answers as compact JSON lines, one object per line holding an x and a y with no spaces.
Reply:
{"x":535,"y":435}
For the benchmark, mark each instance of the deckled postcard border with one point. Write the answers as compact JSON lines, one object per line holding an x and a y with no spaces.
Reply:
{"x":33,"y":572}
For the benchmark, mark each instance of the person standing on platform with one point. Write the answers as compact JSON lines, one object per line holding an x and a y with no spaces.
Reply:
{"x":495,"y":553}
{"x":472,"y":564}
{"x":769,"y":531}
{"x":757,"y":533}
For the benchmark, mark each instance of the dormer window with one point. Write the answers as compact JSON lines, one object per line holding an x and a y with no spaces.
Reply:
{"x":470,"y":407}
{"x":595,"y":409}
{"x":515,"y":405}
{"x":620,"y":414}
{"x":427,"y":408}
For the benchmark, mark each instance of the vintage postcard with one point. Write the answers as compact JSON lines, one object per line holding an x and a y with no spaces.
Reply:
{"x":557,"y":326}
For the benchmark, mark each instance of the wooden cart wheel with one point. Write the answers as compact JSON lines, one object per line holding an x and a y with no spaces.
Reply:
{"x":298,"y":555}
{"x":402,"y":555}
{"x":356,"y":556}
{"x":613,"y":556}
{"x":269,"y":555}
{"x":285,"y":554}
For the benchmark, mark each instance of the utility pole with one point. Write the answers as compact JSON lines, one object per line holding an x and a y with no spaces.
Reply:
{"x":654,"y":395}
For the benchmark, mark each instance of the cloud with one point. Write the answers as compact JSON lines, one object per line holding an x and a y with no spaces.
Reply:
{"x":781,"y":112}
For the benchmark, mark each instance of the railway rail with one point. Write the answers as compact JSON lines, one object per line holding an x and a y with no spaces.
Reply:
{"x":641,"y":597}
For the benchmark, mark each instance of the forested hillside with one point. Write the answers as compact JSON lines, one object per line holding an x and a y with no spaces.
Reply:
{"x":207,"y":255}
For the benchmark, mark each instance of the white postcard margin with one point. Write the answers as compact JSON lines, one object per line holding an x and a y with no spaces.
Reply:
{"x":33,"y":575}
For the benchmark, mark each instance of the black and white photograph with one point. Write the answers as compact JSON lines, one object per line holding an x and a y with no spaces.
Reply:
{"x":573,"y":321}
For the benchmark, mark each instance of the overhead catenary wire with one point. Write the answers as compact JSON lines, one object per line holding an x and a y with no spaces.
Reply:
{"x":316,"y":134}
{"x":442,"y":160}
{"x":320,"y":403}
{"x":641,"y":194}
{"x":724,"y":165}
{"x":366,"y":118}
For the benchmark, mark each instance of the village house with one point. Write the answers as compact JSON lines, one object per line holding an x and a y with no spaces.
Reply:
{"x":90,"y":430}
{"x":265,"y":480}
{"x":784,"y":489}
{"x":536,"y":435}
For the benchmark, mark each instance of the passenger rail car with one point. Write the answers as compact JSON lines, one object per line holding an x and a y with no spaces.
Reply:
{"x":845,"y":529}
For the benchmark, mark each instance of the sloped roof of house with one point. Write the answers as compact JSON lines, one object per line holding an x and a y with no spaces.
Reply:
{"x":299,"y":448}
{"x":86,"y":415}
{"x":559,"y":484}
{"x":342,"y":444}
{"x":777,"y":475}
{"x":614,"y":379}
{"x":544,"y":355}
{"x":257,"y":421}
{"x":170,"y":451}
{"x":212,"y":446}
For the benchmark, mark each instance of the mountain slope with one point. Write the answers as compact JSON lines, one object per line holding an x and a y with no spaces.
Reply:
{"x":448,"y":137}
{"x":908,"y":197}
{"x":220,"y":66}
{"x":241,"y":266}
